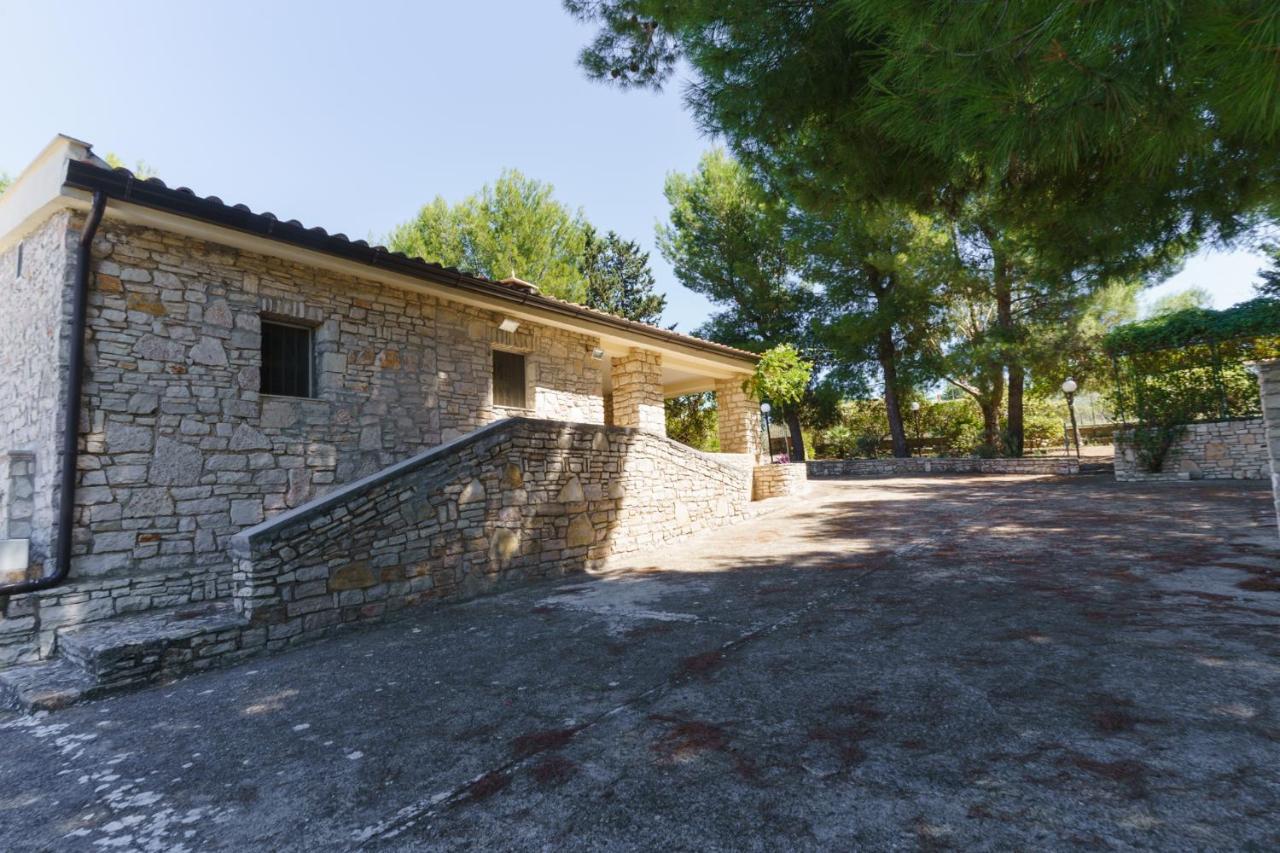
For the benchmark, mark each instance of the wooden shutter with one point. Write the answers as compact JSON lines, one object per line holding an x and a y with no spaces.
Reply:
{"x":508,"y":379}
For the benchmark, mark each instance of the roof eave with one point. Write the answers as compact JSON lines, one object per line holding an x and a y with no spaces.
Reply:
{"x":122,"y":185}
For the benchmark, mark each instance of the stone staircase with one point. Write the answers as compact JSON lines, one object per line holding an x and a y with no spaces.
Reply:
{"x":125,"y":653}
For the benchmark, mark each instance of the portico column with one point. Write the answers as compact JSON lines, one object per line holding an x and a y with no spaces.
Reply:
{"x":1269,"y":386}
{"x":637,"y":391}
{"x":738,"y":417}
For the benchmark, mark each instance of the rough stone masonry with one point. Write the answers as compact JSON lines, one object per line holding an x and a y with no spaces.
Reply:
{"x":518,"y":500}
{"x":180,"y":449}
{"x":1216,"y":450}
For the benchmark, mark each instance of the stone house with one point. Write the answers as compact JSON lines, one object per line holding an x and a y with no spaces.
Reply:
{"x":245,"y":377}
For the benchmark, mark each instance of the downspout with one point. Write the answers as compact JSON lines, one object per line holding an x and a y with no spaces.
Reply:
{"x":71,"y":409}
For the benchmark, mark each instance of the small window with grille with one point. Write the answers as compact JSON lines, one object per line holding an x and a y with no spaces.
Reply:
{"x":508,"y":379}
{"x":287,"y":358}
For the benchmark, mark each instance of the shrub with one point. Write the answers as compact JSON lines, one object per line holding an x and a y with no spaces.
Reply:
{"x":1152,"y":443}
{"x":868,"y":445}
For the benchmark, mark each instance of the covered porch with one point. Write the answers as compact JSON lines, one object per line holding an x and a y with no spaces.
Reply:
{"x":639,"y":380}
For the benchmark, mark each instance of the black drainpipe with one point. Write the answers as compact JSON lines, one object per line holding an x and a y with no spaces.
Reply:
{"x":71,"y":411}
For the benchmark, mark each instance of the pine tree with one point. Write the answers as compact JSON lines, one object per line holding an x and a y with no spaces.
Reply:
{"x":619,"y":279}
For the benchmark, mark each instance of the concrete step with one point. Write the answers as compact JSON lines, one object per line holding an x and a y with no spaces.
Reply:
{"x":128,"y":652}
{"x":134,"y":650}
{"x":45,"y":686}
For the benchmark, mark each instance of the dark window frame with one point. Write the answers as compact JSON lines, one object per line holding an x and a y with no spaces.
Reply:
{"x":284,"y":380}
{"x":503,"y":393}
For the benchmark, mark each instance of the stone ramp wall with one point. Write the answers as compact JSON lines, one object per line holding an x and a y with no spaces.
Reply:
{"x":1218,"y":450}
{"x":516,"y":500}
{"x":924,"y":465}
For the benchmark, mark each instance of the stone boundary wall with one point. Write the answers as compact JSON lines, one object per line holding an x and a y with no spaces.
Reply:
{"x":1268,"y":371}
{"x":1218,"y":450}
{"x":776,"y":481}
{"x":923,"y":465}
{"x":517,"y":500}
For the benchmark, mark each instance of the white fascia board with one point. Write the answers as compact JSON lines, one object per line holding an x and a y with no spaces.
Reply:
{"x":38,"y":192}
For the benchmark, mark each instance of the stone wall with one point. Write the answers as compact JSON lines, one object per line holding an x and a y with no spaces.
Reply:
{"x":1269,"y":388}
{"x":181,"y":449}
{"x":775,"y":481}
{"x":924,"y":465}
{"x":1219,"y":450}
{"x":33,"y":304}
{"x":514,"y":501}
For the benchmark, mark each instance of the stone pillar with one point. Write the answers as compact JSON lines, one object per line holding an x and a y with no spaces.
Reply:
{"x":738,"y":418}
{"x":637,"y":391}
{"x":1269,"y":386}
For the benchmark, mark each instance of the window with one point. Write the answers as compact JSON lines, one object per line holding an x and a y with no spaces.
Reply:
{"x":286,"y":360}
{"x":508,"y":379}
{"x":17,"y":265}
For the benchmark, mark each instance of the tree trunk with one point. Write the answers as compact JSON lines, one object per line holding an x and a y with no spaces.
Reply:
{"x":1017,"y":379}
{"x":797,"y":438}
{"x":886,"y":355}
{"x":990,"y":422}
{"x":1008,"y":350}
{"x":990,"y":406}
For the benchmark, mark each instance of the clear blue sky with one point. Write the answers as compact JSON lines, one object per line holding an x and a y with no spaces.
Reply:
{"x":351,"y":115}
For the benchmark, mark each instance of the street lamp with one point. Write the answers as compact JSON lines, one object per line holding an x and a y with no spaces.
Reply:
{"x":1069,"y":389}
{"x":765,"y":408}
{"x":915,"y":413}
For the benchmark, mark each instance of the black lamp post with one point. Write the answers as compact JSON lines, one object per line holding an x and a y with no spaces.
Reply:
{"x":1069,"y":389}
{"x":915,"y":414}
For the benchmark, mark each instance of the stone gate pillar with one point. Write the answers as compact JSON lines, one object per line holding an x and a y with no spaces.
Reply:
{"x":738,"y":418}
{"x":1269,"y":386}
{"x":637,"y":391}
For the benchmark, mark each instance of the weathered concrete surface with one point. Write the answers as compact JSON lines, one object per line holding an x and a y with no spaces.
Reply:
{"x":983,"y":663}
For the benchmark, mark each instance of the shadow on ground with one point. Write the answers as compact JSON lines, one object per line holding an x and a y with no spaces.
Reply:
{"x":946,"y":662}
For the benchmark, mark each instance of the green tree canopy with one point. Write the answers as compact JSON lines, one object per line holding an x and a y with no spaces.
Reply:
{"x":5,"y":180}
{"x":1270,"y":284}
{"x":879,"y":268}
{"x":619,"y":279}
{"x":781,"y":376}
{"x":1119,"y":112}
{"x":514,"y":226}
{"x":1069,"y":144}
{"x":1172,"y":303}
{"x":140,"y":168}
{"x":727,"y":239}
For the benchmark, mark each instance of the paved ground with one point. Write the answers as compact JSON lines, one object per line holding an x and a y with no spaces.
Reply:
{"x":975,"y":663}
